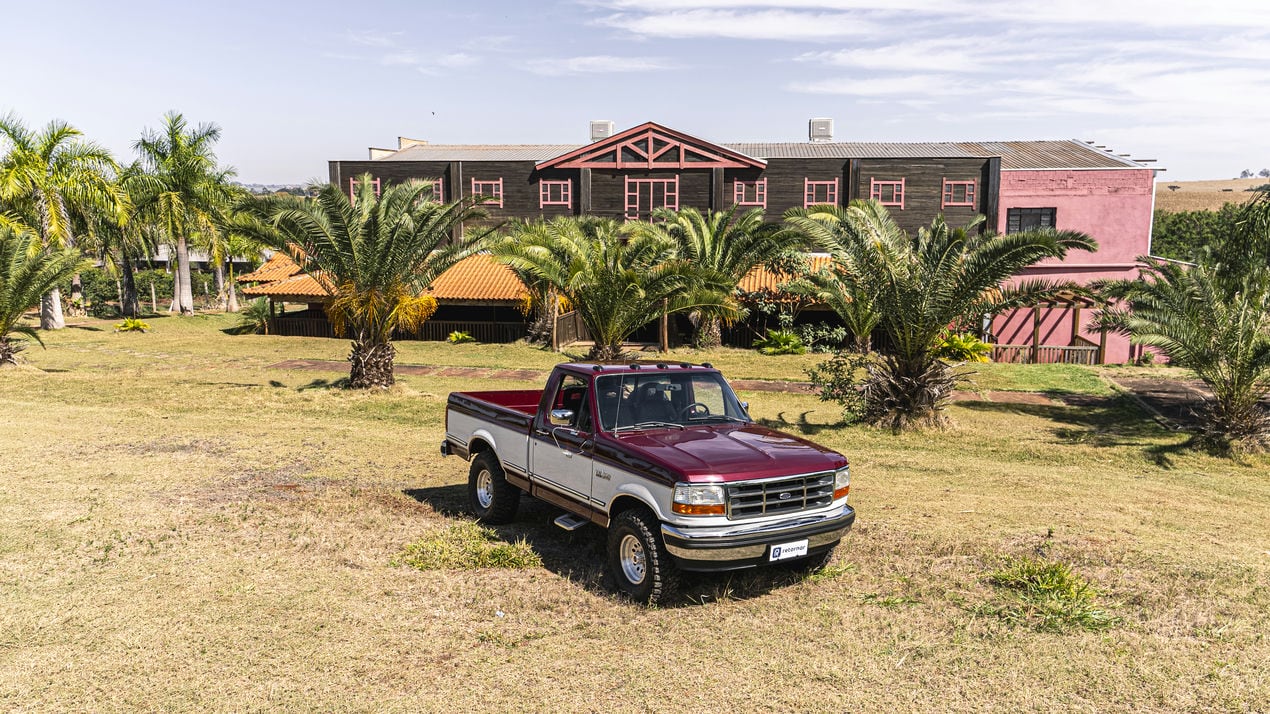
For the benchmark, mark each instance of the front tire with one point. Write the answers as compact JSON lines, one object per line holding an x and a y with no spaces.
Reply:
{"x":643,"y":569}
{"x":493,"y":500}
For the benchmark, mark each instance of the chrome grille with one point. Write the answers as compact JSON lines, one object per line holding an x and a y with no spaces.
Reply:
{"x":750,"y":499}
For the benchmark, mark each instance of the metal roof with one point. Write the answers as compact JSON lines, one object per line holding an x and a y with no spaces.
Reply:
{"x":849,"y":150}
{"x":1015,"y":155}
{"x":481,"y":152}
{"x":1064,"y":154}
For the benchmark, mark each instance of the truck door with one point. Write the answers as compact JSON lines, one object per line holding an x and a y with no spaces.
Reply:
{"x":561,"y":455}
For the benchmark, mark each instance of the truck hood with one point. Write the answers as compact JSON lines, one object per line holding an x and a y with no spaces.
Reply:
{"x":726,"y":452}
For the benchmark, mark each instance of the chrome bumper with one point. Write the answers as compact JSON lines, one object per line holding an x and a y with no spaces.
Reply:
{"x":744,"y":545}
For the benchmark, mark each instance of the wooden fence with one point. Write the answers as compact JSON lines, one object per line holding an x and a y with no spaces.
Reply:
{"x":1045,"y":354}
{"x":570,"y":329}
{"x":433,"y":330}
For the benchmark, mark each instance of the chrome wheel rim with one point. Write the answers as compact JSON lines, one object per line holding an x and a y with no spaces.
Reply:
{"x":631,"y":555}
{"x":484,"y":488}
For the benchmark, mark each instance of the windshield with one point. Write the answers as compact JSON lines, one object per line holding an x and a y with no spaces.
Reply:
{"x":629,"y":401}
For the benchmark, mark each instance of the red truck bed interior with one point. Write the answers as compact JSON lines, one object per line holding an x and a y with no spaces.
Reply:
{"x":522,"y":400}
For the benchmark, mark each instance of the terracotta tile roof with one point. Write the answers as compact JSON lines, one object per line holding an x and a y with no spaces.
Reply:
{"x":277,"y":267}
{"x":478,"y":278}
{"x":762,"y":279}
{"x":296,"y":286}
{"x":475,"y":279}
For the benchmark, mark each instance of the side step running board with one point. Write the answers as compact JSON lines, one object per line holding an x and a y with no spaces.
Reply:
{"x":571,"y":521}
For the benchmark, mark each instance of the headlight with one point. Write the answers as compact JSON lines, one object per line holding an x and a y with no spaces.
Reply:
{"x":699,"y":500}
{"x":841,"y":482}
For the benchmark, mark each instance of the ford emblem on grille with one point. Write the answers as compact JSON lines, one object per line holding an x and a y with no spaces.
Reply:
{"x":786,"y":495}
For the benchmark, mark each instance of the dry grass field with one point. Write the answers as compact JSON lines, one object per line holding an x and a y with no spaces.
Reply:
{"x":184,"y":529}
{"x":1203,"y":195}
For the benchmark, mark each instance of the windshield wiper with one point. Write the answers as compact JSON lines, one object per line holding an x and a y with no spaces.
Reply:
{"x":724,"y":417}
{"x":649,"y":425}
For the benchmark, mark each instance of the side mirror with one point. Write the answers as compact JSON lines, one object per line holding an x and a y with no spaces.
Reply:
{"x":561,"y":417}
{"x":745,"y":407}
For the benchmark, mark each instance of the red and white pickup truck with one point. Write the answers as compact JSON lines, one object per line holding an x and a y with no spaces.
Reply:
{"x":663,"y":456}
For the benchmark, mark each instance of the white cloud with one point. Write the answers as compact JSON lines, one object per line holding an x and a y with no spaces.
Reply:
{"x":915,"y":87}
{"x":596,"y":64}
{"x":373,"y":38}
{"x":758,"y":25}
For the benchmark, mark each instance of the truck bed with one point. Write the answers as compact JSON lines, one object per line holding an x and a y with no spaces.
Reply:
{"x":521,"y":400}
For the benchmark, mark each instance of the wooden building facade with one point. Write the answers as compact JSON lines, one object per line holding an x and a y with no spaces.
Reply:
{"x":629,"y":174}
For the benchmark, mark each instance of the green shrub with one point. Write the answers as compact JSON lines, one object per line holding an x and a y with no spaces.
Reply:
{"x":254,"y":318}
{"x":459,"y":338}
{"x":132,"y":324}
{"x":467,"y":545}
{"x":841,"y":379}
{"x":822,"y":336}
{"x":780,"y":342}
{"x":1048,"y":596}
{"x":961,"y":347}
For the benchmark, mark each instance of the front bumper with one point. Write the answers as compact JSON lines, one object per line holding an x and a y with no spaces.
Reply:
{"x":733,"y":547}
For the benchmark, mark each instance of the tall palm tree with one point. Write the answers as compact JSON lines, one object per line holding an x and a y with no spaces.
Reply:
{"x":48,"y":176}
{"x":28,"y":270}
{"x":617,"y":278}
{"x":1218,"y":326}
{"x":727,"y":242}
{"x":923,"y":284}
{"x":376,"y":256}
{"x":542,"y":305}
{"x":183,"y":190}
{"x":852,"y":232}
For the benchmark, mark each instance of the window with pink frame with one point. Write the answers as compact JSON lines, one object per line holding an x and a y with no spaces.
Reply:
{"x":555,"y":193}
{"x":887,"y":193}
{"x":645,"y":194}
{"x":492,"y":189}
{"x":354,"y":183}
{"x":750,"y":193}
{"x":438,"y":189}
{"x":818,"y":192}
{"x":958,"y":193}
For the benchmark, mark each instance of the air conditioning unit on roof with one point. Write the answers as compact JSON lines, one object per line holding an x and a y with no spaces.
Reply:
{"x":602,"y":129}
{"x":820,"y":129}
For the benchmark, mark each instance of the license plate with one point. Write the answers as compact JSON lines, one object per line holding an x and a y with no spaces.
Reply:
{"x":785,"y":551}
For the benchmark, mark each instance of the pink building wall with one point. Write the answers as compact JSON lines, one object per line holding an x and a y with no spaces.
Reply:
{"x":1115,"y":207}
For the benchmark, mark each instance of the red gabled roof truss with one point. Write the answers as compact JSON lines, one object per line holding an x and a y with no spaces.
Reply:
{"x":652,"y":146}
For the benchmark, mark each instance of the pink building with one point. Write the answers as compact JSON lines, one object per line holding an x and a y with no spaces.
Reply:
{"x":1070,"y":185}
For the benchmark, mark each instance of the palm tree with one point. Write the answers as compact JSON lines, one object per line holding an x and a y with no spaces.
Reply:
{"x":47,"y":177}
{"x":922,"y":285}
{"x":727,"y":242}
{"x":542,"y":303}
{"x":837,"y":228}
{"x":183,"y":190}
{"x":376,"y":256}
{"x":1214,"y":321}
{"x":617,"y":278}
{"x":28,"y":271}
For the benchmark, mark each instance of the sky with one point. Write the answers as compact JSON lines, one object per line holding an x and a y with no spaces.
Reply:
{"x":294,"y":85}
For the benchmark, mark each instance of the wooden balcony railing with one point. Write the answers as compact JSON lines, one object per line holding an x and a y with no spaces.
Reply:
{"x":1045,"y":354}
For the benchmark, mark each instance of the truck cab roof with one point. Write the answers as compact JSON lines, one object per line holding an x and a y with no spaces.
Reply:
{"x":637,"y":366}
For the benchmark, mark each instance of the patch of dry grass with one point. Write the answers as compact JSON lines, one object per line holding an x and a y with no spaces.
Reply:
{"x":1203,"y":195}
{"x":183,"y":529}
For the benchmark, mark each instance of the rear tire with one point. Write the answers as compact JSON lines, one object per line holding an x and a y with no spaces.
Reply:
{"x":493,"y":500}
{"x":638,"y":559}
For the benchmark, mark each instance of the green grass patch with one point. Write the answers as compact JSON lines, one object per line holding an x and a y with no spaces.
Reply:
{"x":1047,"y":596}
{"x":1048,"y":378}
{"x":467,"y":546}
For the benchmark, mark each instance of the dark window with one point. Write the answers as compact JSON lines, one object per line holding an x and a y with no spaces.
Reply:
{"x":1028,"y":219}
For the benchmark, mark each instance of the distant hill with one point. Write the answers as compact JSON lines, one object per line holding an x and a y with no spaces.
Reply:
{"x":1203,"y":195}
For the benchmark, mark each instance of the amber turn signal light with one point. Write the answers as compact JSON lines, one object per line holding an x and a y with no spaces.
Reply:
{"x":841,"y":492}
{"x":698,"y":509}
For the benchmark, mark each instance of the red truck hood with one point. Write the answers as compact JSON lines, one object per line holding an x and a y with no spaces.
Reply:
{"x":727,"y":452}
